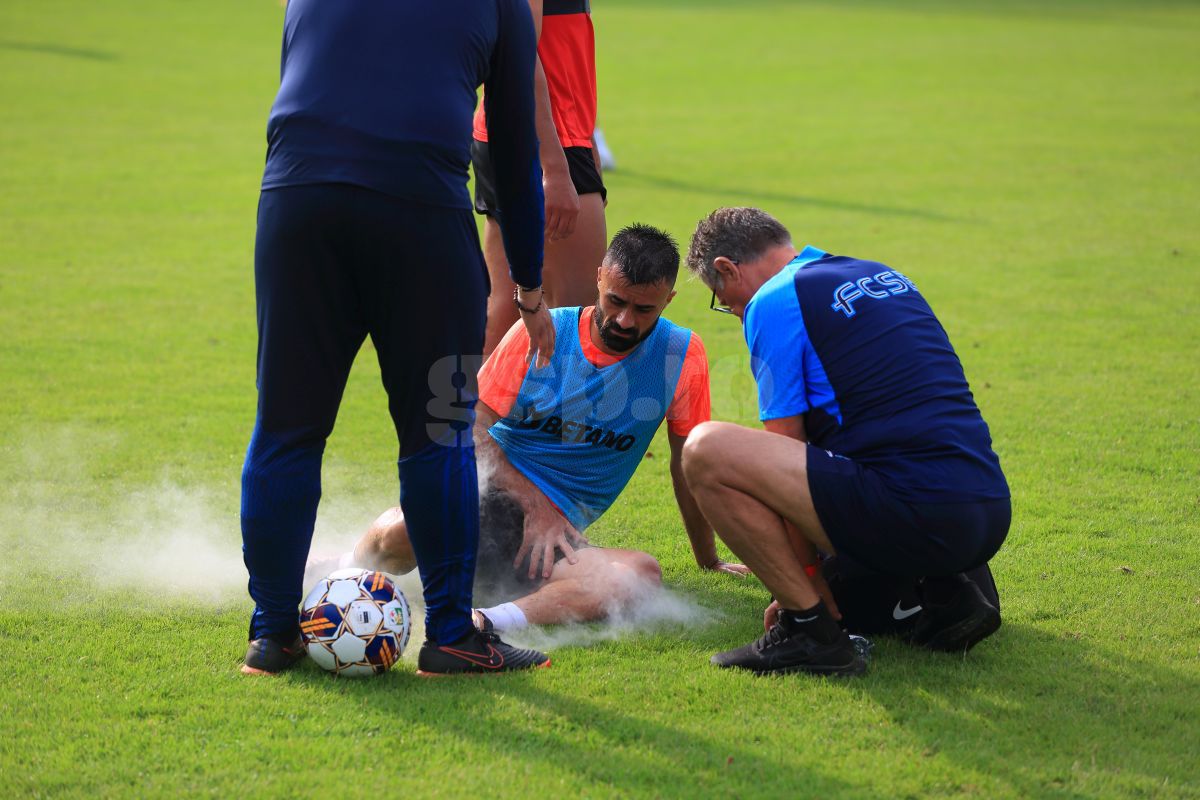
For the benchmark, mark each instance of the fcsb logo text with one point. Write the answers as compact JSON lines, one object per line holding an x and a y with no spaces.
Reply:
{"x":887,"y":284}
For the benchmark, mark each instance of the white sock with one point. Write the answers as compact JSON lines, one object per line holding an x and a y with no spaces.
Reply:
{"x":505,"y":617}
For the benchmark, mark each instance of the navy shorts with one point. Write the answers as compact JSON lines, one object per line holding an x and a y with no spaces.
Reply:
{"x":867,"y":520}
{"x":873,"y":603}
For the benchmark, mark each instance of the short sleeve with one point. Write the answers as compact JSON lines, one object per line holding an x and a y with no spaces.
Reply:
{"x":502,"y":374}
{"x":778,"y":342}
{"x":692,"y":403}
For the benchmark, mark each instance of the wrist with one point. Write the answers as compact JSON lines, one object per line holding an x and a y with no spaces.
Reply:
{"x":528,"y":300}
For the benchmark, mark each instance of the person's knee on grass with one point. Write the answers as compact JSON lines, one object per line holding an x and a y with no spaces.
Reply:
{"x":386,"y":545}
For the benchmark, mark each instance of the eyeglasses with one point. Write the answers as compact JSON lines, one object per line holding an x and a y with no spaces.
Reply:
{"x":712,"y":304}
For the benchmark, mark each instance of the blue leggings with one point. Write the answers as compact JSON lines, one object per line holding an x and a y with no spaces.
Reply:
{"x":334,"y":264}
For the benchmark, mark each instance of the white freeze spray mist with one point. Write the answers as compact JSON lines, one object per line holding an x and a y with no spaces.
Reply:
{"x":652,"y":608}
{"x":182,"y":543}
{"x":166,"y":540}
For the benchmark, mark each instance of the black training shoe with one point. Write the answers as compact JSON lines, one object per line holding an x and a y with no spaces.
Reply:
{"x":269,"y":656}
{"x":781,"y":650}
{"x":480,"y":653}
{"x":958,"y":624}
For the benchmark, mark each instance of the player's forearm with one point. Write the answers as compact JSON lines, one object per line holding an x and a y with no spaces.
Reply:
{"x":550,"y":151}
{"x":512,"y":138}
{"x":596,"y":155}
{"x":699,"y":531}
{"x":503,"y":475}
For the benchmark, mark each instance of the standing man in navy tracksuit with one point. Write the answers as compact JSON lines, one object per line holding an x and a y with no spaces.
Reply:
{"x":873,"y":449}
{"x":365,"y":228}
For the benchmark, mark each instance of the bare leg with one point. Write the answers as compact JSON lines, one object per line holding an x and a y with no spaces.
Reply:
{"x":747,"y":482}
{"x":501,"y":313}
{"x":385,"y":546}
{"x":601,"y":583}
{"x":570,"y":272}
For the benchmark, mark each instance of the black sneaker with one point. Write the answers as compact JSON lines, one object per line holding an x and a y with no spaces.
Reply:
{"x":479,"y":652}
{"x":781,"y":650}
{"x":269,"y":656}
{"x":955,"y":626}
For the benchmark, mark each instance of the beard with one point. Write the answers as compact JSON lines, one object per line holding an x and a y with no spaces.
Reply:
{"x":616,"y":338}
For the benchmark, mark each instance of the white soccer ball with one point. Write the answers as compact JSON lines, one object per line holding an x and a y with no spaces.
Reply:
{"x":355,"y":623}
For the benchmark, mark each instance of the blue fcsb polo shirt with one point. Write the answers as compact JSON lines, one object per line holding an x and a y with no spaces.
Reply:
{"x":853,"y":346}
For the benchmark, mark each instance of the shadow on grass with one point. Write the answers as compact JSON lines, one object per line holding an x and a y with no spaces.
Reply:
{"x":58,"y":50}
{"x":520,"y":717}
{"x":1047,"y":713}
{"x":748,"y":195}
{"x":1040,"y":713}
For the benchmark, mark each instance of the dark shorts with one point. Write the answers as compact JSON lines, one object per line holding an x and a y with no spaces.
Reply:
{"x":580,"y":162}
{"x":873,"y":602}
{"x":501,"y":531}
{"x":865,"y":519}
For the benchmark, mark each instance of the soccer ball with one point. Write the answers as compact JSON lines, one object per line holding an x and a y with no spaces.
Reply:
{"x":355,"y":623}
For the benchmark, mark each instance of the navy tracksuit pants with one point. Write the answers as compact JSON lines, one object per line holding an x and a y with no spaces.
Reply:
{"x":333,"y":264}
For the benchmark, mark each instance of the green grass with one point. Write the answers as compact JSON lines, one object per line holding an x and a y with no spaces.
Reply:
{"x":1033,"y":166}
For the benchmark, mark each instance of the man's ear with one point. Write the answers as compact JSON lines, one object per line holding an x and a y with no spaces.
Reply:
{"x":726,"y":269}
{"x":670,"y":297}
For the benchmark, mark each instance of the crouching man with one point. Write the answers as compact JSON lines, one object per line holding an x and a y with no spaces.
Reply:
{"x":562,"y":441}
{"x":874,"y":448}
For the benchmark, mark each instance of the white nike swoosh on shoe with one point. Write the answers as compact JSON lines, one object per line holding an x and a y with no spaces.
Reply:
{"x":899,"y":613}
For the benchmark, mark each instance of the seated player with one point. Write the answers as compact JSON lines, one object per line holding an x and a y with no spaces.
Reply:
{"x":562,"y":441}
{"x":874,"y":448}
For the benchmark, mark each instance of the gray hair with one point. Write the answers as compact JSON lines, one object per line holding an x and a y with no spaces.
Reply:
{"x":740,"y":234}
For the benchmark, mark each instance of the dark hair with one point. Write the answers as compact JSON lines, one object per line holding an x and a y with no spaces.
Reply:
{"x":740,"y":234}
{"x":644,"y":255}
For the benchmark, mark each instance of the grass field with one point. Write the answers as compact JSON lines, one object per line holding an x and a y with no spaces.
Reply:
{"x":1033,"y":166}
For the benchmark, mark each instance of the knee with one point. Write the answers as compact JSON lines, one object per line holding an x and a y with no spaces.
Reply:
{"x":701,"y":452}
{"x":648,"y":570}
{"x":632,"y":575}
{"x":390,"y":534}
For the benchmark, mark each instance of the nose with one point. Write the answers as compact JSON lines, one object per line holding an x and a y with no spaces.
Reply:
{"x":624,"y":319}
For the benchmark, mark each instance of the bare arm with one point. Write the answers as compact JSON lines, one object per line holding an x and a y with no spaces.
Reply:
{"x":704,"y":544}
{"x":545,"y":528}
{"x":504,"y":476}
{"x":562,"y":201}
